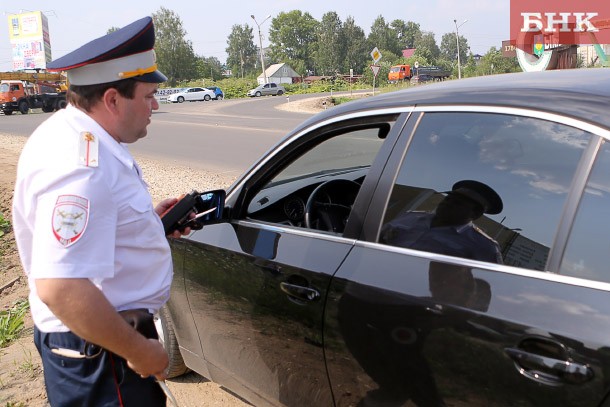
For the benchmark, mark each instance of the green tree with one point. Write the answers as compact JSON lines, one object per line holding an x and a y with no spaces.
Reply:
{"x":209,"y":67}
{"x":381,"y":35}
{"x":241,"y":51}
{"x":493,"y":62}
{"x":449,"y":48}
{"x":175,"y":55}
{"x":427,"y":48}
{"x":404,"y":35}
{"x":330,"y":45}
{"x":292,"y":36}
{"x":356,"y":47}
{"x":411,"y":34}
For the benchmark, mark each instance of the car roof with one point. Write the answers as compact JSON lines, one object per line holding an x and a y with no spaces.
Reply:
{"x":579,"y":93}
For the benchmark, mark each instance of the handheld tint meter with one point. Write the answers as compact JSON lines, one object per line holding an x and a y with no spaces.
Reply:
{"x":207,"y":207}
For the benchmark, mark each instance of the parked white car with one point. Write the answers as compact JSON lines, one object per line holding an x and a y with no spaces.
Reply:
{"x":192,"y":94}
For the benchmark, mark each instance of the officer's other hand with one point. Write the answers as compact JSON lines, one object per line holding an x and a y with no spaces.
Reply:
{"x":152,"y":360}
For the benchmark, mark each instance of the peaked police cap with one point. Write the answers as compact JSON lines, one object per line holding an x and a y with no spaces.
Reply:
{"x":122,"y":54}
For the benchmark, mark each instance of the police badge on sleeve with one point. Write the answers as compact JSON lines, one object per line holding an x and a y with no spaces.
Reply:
{"x":70,"y":218}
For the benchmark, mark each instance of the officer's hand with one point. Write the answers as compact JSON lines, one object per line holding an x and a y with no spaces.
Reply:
{"x":152,"y":360}
{"x":163,"y":207}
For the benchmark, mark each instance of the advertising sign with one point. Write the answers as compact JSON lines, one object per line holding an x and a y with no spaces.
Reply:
{"x":29,"y":38}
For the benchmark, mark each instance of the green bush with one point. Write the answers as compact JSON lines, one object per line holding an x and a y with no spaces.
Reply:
{"x":5,"y":225}
{"x":11,"y":322}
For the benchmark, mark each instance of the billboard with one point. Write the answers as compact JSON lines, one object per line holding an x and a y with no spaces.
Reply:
{"x":30,"y":42}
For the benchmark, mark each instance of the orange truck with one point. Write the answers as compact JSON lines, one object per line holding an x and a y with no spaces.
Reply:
{"x":22,"y":91}
{"x":399,"y":73}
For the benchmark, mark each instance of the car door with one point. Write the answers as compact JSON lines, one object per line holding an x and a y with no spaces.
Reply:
{"x":267,"y":89}
{"x":257,"y":285}
{"x":435,"y":325}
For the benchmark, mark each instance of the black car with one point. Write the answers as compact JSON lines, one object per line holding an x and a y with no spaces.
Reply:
{"x":313,"y":287}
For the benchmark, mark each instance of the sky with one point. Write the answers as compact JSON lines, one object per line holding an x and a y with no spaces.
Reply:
{"x":208,"y":23}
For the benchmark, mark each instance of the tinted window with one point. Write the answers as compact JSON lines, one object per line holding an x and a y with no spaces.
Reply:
{"x":340,"y":157}
{"x":588,"y":254}
{"x":528,"y":162}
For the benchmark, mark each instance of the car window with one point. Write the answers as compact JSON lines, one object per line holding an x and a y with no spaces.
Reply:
{"x":587,"y":254}
{"x":334,"y":166}
{"x":273,"y":85}
{"x":529,"y":163}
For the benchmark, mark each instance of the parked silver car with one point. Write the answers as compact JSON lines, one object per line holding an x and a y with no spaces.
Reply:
{"x":267,"y":89}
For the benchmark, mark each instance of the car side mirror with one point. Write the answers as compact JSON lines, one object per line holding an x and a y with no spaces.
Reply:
{"x":207,"y":206}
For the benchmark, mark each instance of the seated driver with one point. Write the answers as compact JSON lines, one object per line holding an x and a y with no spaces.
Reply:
{"x":449,"y":229}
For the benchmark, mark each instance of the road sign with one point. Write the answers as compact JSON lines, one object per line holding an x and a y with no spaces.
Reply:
{"x":375,"y":69}
{"x":416,"y":64}
{"x":376,"y":55}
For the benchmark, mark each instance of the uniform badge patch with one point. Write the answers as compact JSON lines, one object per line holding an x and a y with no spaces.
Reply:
{"x":70,"y":218}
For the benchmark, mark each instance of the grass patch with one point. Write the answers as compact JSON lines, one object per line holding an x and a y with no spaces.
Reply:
{"x":5,"y":225}
{"x":12,"y":322}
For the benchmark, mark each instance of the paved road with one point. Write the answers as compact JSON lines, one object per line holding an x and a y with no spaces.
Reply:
{"x":225,"y":135}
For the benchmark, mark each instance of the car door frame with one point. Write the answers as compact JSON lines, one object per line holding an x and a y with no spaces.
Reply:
{"x":237,"y":207}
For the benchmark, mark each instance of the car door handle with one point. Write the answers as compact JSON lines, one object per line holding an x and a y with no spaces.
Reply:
{"x":548,"y":370}
{"x":300,"y":293}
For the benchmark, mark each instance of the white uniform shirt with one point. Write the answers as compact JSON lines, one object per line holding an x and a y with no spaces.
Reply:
{"x":77,"y":221}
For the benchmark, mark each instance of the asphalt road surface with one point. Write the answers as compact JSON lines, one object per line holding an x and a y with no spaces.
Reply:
{"x":223,"y":136}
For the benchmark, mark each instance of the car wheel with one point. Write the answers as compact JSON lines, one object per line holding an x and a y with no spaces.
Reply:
{"x":207,"y":97}
{"x":280,"y":92}
{"x":62,"y":104}
{"x":219,"y":97}
{"x":258,"y":94}
{"x":165,"y":329}
{"x":180,"y":99}
{"x":23,"y":107}
{"x":8,"y":112}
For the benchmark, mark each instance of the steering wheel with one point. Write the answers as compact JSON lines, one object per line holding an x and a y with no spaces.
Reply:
{"x":330,"y":204}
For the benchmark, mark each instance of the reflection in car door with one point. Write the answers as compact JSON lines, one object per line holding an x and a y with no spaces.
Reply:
{"x":405,"y":324}
{"x":267,"y":329}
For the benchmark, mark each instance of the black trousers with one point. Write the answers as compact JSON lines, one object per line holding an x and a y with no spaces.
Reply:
{"x":95,"y":380}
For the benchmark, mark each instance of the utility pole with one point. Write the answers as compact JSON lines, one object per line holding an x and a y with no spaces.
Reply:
{"x":457,"y":41}
{"x":260,"y":41}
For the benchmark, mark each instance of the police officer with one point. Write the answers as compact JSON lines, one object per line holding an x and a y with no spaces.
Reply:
{"x":90,"y":241}
{"x":449,"y":229}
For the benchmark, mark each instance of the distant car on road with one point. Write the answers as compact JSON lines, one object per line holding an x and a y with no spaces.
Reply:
{"x":267,"y":89}
{"x":422,"y":78}
{"x":218,"y":93}
{"x":192,"y":94}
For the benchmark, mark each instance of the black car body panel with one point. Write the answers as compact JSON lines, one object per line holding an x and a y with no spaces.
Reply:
{"x":300,"y":297}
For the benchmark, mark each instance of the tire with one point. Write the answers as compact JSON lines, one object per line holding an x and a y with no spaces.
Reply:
{"x":280,"y":93}
{"x":48,"y":109}
{"x":207,"y":98}
{"x":165,"y":329}
{"x":180,"y":99}
{"x":62,"y":104}
{"x":24,"y":107}
{"x":257,"y":94}
{"x":219,"y":97}
{"x":8,"y":112}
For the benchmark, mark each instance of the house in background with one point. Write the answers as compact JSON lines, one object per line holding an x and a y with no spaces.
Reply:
{"x":279,"y":73}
